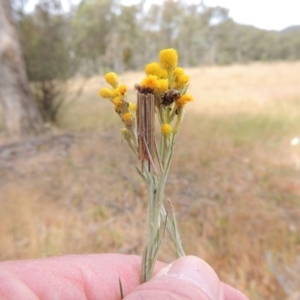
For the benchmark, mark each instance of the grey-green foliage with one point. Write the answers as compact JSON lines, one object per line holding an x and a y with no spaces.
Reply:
{"x":46,"y":46}
{"x":108,"y":35}
{"x":101,"y":35}
{"x":44,"y":39}
{"x":289,"y":43}
{"x":92,"y":25}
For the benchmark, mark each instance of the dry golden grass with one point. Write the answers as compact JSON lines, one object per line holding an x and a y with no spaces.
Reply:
{"x":233,"y":181}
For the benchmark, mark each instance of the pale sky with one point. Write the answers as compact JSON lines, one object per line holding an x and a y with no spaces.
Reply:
{"x":265,"y":14}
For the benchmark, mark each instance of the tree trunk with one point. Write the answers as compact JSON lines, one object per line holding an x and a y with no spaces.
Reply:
{"x":21,"y":116}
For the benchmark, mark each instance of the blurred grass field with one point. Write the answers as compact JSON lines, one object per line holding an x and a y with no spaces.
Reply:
{"x":233,"y":182}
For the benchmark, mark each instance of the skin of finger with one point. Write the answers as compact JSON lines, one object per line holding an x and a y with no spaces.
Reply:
{"x":93,"y":276}
{"x":174,"y":289}
{"x":13,"y":288}
{"x":231,"y":293}
{"x":188,"y":277}
{"x":167,"y":288}
{"x":73,"y":277}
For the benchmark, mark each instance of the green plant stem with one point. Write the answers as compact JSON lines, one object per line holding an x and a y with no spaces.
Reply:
{"x":156,"y":212}
{"x":172,"y":229}
{"x":152,"y":239}
{"x":171,"y":224}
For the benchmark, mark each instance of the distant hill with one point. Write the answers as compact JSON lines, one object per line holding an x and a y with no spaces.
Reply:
{"x":293,"y":28}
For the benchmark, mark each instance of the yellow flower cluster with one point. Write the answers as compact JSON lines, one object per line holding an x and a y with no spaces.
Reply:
{"x":165,"y":75}
{"x":167,"y":81}
{"x":117,"y":95}
{"x":157,"y":74}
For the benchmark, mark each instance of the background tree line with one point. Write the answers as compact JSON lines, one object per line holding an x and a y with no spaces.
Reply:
{"x":98,"y":35}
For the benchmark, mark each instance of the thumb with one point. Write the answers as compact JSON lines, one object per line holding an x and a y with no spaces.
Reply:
{"x":186,"y":278}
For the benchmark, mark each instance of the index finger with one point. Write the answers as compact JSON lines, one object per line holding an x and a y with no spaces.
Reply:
{"x":94,"y":276}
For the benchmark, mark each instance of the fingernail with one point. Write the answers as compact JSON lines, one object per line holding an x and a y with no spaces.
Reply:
{"x":196,"y":271}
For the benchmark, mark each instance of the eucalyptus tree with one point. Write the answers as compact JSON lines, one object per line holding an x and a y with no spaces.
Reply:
{"x":21,"y":116}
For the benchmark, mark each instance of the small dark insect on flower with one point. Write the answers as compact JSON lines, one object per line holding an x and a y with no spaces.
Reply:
{"x":169,"y":97}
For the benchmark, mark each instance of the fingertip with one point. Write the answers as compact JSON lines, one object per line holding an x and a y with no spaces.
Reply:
{"x":195,"y":271}
{"x":188,"y":277}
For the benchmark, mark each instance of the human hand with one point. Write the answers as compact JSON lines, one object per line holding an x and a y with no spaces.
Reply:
{"x":96,"y":276}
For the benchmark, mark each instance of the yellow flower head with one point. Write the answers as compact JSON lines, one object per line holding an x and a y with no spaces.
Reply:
{"x":162,"y":86}
{"x":112,"y":79}
{"x":123,"y":88}
{"x":178,"y":71}
{"x":168,"y":58}
{"x":127,"y":117}
{"x":153,"y":68}
{"x":125,"y":133}
{"x":182,"y":81}
{"x":184,"y":99}
{"x":166,"y":129}
{"x":132,"y":106}
{"x":116,"y":93}
{"x":105,"y":92}
{"x":117,"y":101}
{"x":163,"y":74}
{"x":188,"y":97}
{"x":150,"y":82}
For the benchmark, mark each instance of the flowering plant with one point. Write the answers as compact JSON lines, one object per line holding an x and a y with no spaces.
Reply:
{"x":163,"y":92}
